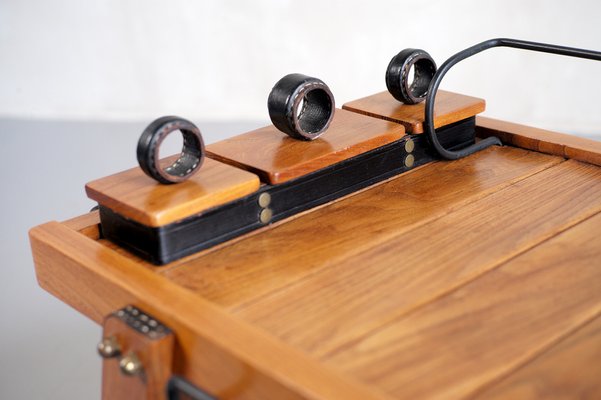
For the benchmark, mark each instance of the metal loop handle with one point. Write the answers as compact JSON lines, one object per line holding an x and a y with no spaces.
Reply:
{"x":462,"y":55}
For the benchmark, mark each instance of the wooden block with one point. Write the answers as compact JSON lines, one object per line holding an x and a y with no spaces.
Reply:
{"x":136,"y":196}
{"x":544,"y":141}
{"x":277,"y":158}
{"x":489,"y":327}
{"x":148,"y":342}
{"x":450,"y":107}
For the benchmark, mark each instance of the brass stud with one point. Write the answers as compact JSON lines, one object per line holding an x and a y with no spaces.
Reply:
{"x":409,"y":161}
{"x":130,"y":365}
{"x":109,"y":347}
{"x":266,"y":215}
{"x":264,"y":199}
{"x":409,"y":145}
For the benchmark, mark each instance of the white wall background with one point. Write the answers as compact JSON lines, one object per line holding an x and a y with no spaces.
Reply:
{"x":217,"y":60}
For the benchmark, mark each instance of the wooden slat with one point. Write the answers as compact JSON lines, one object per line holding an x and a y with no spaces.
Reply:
{"x":278,"y":158}
{"x":216,"y":351}
{"x":251,"y":268}
{"x":83,"y":222}
{"x":87,"y":224}
{"x":450,"y":107}
{"x":134,"y":195}
{"x":569,"y":370}
{"x":468,"y":338}
{"x":350,"y":299}
{"x":541,"y":140}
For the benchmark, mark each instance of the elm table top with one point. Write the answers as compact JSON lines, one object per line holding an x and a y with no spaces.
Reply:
{"x":477,"y":277}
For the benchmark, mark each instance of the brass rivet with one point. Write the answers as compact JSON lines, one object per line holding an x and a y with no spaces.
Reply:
{"x":409,"y":161}
{"x":409,"y":145}
{"x":109,"y":347}
{"x":130,"y":365}
{"x":264,"y":199}
{"x":266,"y":215}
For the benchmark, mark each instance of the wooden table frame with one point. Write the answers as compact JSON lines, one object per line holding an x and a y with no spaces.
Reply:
{"x":216,"y":350}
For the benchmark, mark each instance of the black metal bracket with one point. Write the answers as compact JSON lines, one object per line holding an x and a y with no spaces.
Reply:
{"x":178,"y":385}
{"x":450,"y":154}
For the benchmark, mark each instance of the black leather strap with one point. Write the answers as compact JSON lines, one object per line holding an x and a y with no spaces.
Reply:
{"x":398,"y":79}
{"x":190,"y":159}
{"x":301,"y":106}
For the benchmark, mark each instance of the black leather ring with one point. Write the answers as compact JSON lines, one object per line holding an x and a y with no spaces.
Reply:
{"x":301,"y":106}
{"x":189,"y":160}
{"x":398,"y":79}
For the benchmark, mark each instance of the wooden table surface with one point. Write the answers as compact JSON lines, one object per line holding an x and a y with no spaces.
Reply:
{"x":479,"y":277}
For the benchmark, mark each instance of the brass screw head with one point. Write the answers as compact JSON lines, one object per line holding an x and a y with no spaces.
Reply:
{"x":409,"y":161}
{"x":266,"y":215}
{"x":409,"y":145}
{"x":130,"y":365}
{"x":264,"y":199}
{"x":109,"y":347}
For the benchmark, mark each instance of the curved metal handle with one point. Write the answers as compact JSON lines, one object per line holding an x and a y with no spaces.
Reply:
{"x":462,"y":55}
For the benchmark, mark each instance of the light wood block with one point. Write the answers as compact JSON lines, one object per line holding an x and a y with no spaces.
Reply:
{"x":136,"y":196}
{"x":154,"y":353}
{"x":277,"y":158}
{"x":449,"y":107}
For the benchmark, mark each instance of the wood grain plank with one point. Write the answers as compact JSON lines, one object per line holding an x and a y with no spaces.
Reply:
{"x":569,"y":370}
{"x":450,"y":107}
{"x":470,"y":337}
{"x":271,"y":260}
{"x":87,"y":224}
{"x":134,"y":195}
{"x":544,"y":141}
{"x":216,"y":351}
{"x":349,"y":299}
{"x":278,"y":158}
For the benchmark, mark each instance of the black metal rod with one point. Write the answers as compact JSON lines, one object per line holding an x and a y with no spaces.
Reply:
{"x":177,"y":385}
{"x":462,"y":55}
